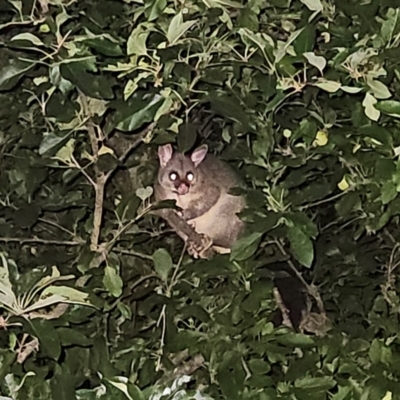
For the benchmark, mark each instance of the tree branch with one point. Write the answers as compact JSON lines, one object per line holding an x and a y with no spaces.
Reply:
{"x":42,"y":241}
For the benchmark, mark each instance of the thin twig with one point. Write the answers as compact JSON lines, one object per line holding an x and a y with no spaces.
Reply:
{"x":282,"y":308}
{"x":311,"y":289}
{"x":140,"y":136}
{"x":46,"y":221}
{"x":42,"y":241}
{"x":133,"y":253}
{"x":98,"y":212}
{"x":326,"y":200}
{"x":87,"y":176}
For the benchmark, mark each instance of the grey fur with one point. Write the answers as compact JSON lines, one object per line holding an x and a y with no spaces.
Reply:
{"x":207,"y":206}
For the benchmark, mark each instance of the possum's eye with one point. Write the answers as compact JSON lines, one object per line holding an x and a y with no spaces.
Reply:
{"x":189,"y":176}
{"x":173,"y":176}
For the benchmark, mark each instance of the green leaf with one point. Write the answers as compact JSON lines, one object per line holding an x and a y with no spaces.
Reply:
{"x":12,"y":73}
{"x":305,"y":41}
{"x":112,"y":281}
{"x":317,"y":61}
{"x":49,"y":341}
{"x":162,"y":263}
{"x":92,"y":85}
{"x":389,"y":107}
{"x":370,"y":110}
{"x":29,"y":37}
{"x":105,"y":46}
{"x":295,"y":340}
{"x":63,"y":383}
{"x":313,"y":5}
{"x":72,"y":337}
{"x":154,"y":8}
{"x":187,"y":136}
{"x":144,"y":193}
{"x":177,"y":28}
{"x":379,"y":90}
{"x":328,"y":86}
{"x":246,"y":246}
{"x":136,"y":44}
{"x":140,"y":116}
{"x":315,"y":384}
{"x":301,"y":246}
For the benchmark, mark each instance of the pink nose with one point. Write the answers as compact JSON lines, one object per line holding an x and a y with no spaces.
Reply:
{"x":182,"y":188}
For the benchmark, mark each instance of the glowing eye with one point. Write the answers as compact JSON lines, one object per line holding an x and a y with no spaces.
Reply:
{"x":173,"y":176}
{"x":190,"y":176}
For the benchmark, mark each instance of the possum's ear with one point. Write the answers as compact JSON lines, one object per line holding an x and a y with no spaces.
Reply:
{"x":165,"y":154}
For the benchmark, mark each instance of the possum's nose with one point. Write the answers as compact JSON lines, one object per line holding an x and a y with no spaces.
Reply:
{"x":183,"y":188}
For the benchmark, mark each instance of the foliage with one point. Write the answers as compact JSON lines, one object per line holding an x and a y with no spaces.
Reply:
{"x":301,"y":96}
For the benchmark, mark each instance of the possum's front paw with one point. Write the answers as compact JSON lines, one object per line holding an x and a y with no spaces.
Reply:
{"x":200,"y":250}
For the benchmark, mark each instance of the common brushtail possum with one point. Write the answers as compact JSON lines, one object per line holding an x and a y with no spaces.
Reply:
{"x":200,"y":184}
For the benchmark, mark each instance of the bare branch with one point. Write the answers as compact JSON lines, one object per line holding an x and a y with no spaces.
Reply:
{"x":139,"y":138}
{"x":42,"y":241}
{"x":282,"y":308}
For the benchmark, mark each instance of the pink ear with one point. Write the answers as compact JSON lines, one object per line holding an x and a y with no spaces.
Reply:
{"x":199,"y":154}
{"x":165,"y":154}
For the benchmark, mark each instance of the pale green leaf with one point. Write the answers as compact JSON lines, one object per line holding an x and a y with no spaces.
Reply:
{"x":29,"y":37}
{"x":112,"y":281}
{"x":144,"y":193}
{"x":378,"y":89}
{"x":66,"y":152}
{"x":328,"y":86}
{"x":317,"y":61}
{"x":370,"y":111}
{"x":301,"y":246}
{"x":313,"y":5}
{"x":136,"y":44}
{"x":351,"y":89}
{"x":162,"y":263}
{"x":177,"y":28}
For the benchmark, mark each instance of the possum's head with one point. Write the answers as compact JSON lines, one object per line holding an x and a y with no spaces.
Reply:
{"x":179,"y":173}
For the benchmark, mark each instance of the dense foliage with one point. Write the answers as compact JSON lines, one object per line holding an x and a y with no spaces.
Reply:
{"x":98,"y":298}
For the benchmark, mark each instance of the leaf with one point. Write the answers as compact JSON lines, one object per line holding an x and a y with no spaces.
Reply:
{"x":154,"y":8}
{"x":370,"y":111}
{"x":12,"y":73}
{"x":92,"y":85}
{"x":388,"y":28}
{"x":313,"y":5}
{"x":379,"y":90}
{"x":104,"y":45}
{"x":49,"y":341}
{"x":350,"y":89}
{"x":317,"y":61}
{"x":66,"y":152}
{"x":177,"y":28}
{"x":162,"y":263}
{"x":328,"y":86}
{"x":136,"y":44}
{"x":68,"y":294}
{"x":295,"y":340}
{"x":321,"y":139}
{"x":391,"y":107}
{"x":343,"y":184}
{"x":144,"y":193}
{"x":63,"y":383}
{"x":301,"y":246}
{"x":305,"y":41}
{"x":246,"y":246}
{"x":112,"y":281}
{"x":29,"y":37}
{"x":52,"y":142}
{"x":315,"y":384}
{"x":140,"y":116}
{"x":187,"y":136}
